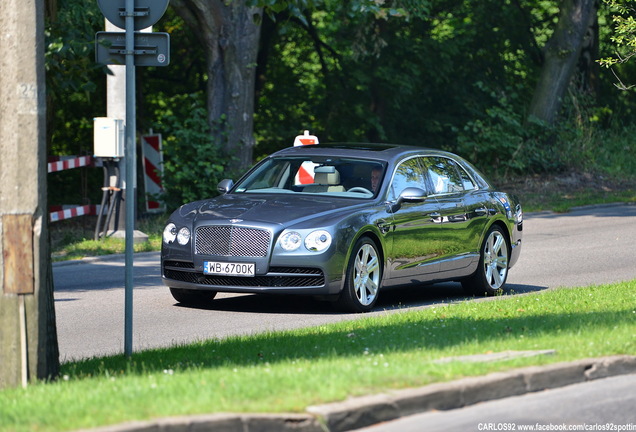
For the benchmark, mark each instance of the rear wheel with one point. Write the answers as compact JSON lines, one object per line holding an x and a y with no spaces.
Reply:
{"x":492,"y":272}
{"x":192,"y":297}
{"x":363,"y":277}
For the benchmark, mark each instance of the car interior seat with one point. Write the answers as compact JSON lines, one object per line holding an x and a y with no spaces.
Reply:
{"x":326,"y":179}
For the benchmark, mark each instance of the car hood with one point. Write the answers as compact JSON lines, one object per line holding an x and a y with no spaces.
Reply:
{"x":265,"y":208}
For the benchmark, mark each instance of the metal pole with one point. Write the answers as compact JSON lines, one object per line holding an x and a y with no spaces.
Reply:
{"x":130,"y":173}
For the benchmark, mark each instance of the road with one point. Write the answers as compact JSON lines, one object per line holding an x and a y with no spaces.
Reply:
{"x":605,"y":404}
{"x":589,"y":246}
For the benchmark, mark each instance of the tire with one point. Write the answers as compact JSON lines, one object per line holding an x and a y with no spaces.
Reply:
{"x":192,"y":297}
{"x":363,"y":278}
{"x":490,"y":277}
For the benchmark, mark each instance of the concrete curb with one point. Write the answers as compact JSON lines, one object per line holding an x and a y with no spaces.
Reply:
{"x":355,"y":413}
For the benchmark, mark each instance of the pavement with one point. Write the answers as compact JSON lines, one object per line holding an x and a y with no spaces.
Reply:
{"x":359,"y":412}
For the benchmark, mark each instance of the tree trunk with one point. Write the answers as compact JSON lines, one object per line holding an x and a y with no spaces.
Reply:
{"x":230,"y":33}
{"x":561,"y":55}
{"x":28,"y":336}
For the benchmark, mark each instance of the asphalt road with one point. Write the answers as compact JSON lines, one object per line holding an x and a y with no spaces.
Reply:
{"x":583,"y":247}
{"x":605,"y":404}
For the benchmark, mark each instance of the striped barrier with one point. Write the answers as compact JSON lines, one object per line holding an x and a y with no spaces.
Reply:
{"x":58,"y":213}
{"x":61,"y":163}
{"x":153,"y":170}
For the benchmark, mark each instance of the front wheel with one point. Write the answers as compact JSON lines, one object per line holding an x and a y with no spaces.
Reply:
{"x":363,"y":277}
{"x":192,"y":297}
{"x":492,"y":272}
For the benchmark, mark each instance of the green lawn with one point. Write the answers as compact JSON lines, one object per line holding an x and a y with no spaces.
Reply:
{"x":287,"y":371}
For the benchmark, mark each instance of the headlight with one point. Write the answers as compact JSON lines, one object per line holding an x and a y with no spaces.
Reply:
{"x":318,"y":241}
{"x":169,"y":233}
{"x":184,"y":236}
{"x":290,"y":241}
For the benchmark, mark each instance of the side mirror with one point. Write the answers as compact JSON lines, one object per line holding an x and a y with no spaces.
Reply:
{"x":410,"y":194}
{"x":225,"y":185}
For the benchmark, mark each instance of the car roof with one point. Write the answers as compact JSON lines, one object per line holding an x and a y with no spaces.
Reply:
{"x":374,"y":151}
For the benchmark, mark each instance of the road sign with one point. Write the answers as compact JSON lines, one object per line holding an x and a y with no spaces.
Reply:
{"x":151,"y":49}
{"x":147,"y":12}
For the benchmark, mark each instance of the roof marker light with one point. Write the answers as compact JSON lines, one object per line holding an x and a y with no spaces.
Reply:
{"x":305,"y":139}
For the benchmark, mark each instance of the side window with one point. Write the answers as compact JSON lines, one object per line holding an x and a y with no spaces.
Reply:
{"x":468,"y":183}
{"x":444,"y":175}
{"x":409,"y":173}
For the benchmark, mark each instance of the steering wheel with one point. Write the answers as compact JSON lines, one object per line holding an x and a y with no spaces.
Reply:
{"x":360,"y":189}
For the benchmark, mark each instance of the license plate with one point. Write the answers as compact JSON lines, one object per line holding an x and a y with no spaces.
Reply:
{"x":228,"y":269}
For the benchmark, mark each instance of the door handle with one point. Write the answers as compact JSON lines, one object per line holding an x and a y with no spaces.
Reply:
{"x":482,"y":211}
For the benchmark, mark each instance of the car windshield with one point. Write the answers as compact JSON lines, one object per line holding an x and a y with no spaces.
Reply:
{"x":346,"y":177}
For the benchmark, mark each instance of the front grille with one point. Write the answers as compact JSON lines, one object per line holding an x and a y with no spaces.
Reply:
{"x":278,"y":277}
{"x":227,"y":240}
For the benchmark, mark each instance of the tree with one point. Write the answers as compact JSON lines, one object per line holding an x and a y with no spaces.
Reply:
{"x":230,"y":32}
{"x":561,"y":55}
{"x":28,"y":336}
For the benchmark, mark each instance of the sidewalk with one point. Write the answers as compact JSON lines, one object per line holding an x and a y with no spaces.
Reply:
{"x":364,"y":411}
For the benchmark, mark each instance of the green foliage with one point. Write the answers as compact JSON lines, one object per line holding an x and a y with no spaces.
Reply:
{"x":73,"y":78}
{"x":451,"y":74}
{"x":622,"y":40}
{"x":501,"y":142}
{"x":397,"y":71}
{"x":75,"y":87}
{"x":624,"y":31}
{"x":192,"y":166}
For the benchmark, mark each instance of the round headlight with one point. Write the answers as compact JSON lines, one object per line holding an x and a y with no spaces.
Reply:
{"x":169,"y":233}
{"x":290,"y":241}
{"x":318,"y":241}
{"x":183,"y":237}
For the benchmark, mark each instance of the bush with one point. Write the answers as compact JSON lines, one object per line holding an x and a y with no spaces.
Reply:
{"x":192,"y":164}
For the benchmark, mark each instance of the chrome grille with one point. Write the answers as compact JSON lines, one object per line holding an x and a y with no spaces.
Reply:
{"x":228,"y":240}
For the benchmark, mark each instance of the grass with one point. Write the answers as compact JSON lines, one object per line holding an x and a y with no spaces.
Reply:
{"x":287,"y":371}
{"x":73,"y":239}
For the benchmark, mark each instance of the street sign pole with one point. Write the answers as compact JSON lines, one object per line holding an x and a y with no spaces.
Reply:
{"x":131,"y":127}
{"x":156,"y":50}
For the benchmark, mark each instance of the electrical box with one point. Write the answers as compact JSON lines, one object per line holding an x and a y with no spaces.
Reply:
{"x":108,"y":138}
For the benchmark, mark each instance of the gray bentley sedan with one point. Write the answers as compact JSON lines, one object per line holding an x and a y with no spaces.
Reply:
{"x":344,"y":222}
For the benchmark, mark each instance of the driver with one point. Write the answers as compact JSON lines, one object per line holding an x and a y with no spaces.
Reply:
{"x":376,"y":175}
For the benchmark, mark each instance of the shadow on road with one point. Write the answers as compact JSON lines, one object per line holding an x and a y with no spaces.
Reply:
{"x":402,"y":298}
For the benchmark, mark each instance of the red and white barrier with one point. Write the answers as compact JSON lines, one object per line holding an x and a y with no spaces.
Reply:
{"x":69,"y":162}
{"x":58,"y":213}
{"x":153,"y":170}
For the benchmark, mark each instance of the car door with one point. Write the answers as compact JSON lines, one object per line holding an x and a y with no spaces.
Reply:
{"x":457,"y":233}
{"x":414,"y":247}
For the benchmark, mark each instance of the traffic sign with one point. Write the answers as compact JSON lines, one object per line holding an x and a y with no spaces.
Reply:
{"x":151,"y":49}
{"x":147,"y":12}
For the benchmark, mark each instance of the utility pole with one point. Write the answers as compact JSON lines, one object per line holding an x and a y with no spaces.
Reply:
{"x":28,"y":335}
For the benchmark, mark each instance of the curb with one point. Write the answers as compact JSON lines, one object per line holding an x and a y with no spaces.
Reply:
{"x":355,"y":413}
